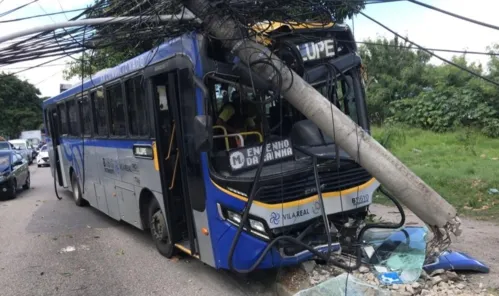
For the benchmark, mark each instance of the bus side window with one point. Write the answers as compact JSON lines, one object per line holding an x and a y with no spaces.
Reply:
{"x":86,"y":119}
{"x":115,"y":99}
{"x":46,"y":122}
{"x":136,"y":102}
{"x":74,"y":126}
{"x":63,"y":119}
{"x":99,"y":111}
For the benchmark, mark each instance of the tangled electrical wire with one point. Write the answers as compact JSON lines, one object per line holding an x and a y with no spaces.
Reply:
{"x":145,"y":33}
{"x":145,"y":29}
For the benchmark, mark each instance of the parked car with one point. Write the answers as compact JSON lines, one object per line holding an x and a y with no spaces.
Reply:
{"x":39,"y":146}
{"x":42,"y":159}
{"x":14,"y":173}
{"x":24,"y":148}
{"x":4,"y":145}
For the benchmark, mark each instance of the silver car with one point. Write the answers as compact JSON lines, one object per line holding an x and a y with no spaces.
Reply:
{"x":24,"y":148}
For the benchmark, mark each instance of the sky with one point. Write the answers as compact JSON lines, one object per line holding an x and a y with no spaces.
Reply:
{"x":423,"y":26}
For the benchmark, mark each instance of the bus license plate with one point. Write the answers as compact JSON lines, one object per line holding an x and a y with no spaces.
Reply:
{"x":361,"y":199}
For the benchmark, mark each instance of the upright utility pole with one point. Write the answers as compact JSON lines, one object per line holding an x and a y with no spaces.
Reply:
{"x":413,"y":192}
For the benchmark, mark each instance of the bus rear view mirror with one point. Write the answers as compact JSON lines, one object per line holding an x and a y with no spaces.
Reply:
{"x":203,"y":133}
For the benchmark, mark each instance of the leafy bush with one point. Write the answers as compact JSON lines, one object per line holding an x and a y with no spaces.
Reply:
{"x":447,"y":108}
{"x":404,"y":88}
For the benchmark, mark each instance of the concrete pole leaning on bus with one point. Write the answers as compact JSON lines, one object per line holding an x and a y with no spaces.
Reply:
{"x":413,"y":192}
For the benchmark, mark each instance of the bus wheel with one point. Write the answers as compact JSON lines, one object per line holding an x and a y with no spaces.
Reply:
{"x":159,"y":231}
{"x":75,"y":185}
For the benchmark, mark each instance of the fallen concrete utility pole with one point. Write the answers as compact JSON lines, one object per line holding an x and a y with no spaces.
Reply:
{"x":427,"y":204}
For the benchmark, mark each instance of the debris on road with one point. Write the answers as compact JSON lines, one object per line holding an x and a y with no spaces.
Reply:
{"x":84,"y":247}
{"x":341,"y":285}
{"x":398,"y":256}
{"x":68,"y":249}
{"x":456,"y":261}
{"x":493,"y":191}
{"x":308,"y":266}
{"x":394,"y":264}
{"x":329,"y":280}
{"x":66,"y":274}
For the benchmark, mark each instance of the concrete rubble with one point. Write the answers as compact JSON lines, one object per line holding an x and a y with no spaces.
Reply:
{"x":440,"y":282}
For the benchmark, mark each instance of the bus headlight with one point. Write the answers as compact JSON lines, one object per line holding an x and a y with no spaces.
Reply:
{"x":255,"y":226}
{"x":234,"y":217}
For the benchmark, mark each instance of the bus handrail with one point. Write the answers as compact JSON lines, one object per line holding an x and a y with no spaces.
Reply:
{"x":253,"y":133}
{"x":172,"y":184}
{"x":171,"y":142}
{"x":231,"y":135}
{"x":225,"y":133}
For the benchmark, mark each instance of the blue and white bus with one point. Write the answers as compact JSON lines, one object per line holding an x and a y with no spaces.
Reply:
{"x":140,"y":142}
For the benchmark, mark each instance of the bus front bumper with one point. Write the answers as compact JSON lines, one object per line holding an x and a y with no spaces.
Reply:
{"x":249,"y":249}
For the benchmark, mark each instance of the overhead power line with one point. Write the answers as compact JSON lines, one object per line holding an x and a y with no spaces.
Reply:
{"x":103,"y":20}
{"x":29,"y":67}
{"x":432,"y":49}
{"x":455,"y":15}
{"x":41,"y":15}
{"x":39,"y":65}
{"x":16,"y":9}
{"x":431,"y":53}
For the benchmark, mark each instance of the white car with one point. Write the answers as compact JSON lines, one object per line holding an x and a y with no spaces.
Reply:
{"x":42,"y":159}
{"x":24,"y":148}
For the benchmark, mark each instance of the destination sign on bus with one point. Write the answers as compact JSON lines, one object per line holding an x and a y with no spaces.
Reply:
{"x":312,"y":51}
{"x":249,"y":157}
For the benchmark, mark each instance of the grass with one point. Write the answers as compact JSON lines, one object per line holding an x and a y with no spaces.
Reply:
{"x":461,"y":166}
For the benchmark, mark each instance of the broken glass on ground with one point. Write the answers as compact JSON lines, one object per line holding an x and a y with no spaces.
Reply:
{"x":397,"y":256}
{"x":343,"y":285}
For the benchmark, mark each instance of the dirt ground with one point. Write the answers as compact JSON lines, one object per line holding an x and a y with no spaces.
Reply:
{"x":479,"y":239}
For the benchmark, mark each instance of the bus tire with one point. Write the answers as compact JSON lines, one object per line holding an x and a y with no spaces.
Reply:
{"x":75,"y":185}
{"x":159,"y":231}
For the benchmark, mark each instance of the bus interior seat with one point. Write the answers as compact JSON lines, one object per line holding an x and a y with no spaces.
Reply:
{"x":307,"y":133}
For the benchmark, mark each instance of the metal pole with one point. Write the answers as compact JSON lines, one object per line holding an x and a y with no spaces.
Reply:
{"x":186,"y":15}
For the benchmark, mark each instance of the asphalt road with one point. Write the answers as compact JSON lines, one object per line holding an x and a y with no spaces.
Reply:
{"x":51,"y":247}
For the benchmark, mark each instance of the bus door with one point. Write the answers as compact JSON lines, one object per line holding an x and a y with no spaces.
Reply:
{"x":174,"y":100}
{"x":55,"y":159}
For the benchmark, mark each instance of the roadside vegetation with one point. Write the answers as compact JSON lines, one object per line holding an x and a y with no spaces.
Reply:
{"x":20,"y":106}
{"x":463,"y":166}
{"x":404,"y":87}
{"x":440,"y":121}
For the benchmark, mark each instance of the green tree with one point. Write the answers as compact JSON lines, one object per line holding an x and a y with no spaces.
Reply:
{"x":394,"y":72}
{"x":20,"y":106}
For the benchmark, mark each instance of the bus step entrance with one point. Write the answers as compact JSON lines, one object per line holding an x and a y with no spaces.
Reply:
{"x":184,"y":247}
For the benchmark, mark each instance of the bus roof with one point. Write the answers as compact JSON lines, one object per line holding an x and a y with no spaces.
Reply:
{"x":185,"y":44}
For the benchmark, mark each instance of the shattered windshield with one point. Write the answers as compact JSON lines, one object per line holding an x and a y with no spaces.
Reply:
{"x":242,"y":121}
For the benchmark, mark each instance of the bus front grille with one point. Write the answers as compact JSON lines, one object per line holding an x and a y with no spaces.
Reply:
{"x":286,"y":190}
